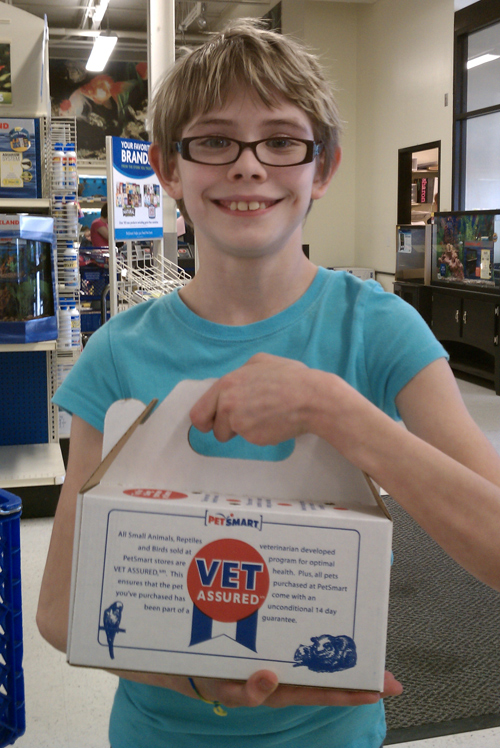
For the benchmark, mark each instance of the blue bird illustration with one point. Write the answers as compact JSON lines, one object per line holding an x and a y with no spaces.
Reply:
{"x":111,"y":624}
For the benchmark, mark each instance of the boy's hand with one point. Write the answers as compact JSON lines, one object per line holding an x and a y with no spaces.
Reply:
{"x":266,"y":401}
{"x":262,"y":688}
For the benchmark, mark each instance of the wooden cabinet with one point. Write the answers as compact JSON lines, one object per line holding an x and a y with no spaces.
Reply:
{"x":418,"y":296}
{"x":467,"y":323}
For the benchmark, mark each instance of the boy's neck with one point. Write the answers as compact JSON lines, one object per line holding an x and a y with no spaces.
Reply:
{"x":240,"y":293}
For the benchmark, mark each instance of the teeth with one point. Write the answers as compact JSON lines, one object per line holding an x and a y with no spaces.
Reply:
{"x":254,"y":205}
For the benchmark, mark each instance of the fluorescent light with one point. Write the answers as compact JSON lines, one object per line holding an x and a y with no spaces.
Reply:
{"x":101,"y":51}
{"x":99,"y":11}
{"x":481,"y":60}
{"x":191,"y":17}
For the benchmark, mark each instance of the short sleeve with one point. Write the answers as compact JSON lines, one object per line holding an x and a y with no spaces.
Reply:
{"x":398,"y":344}
{"x":93,"y":384}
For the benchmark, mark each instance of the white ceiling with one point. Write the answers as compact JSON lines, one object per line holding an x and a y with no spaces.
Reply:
{"x":68,"y":19}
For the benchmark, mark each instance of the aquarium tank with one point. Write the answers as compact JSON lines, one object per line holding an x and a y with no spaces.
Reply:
{"x":466,"y":250}
{"x":27,"y":280}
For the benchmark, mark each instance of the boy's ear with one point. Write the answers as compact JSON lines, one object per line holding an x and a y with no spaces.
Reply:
{"x":168,"y":177}
{"x":322,"y":181}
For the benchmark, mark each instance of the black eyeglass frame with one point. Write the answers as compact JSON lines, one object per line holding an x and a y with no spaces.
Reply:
{"x":313,"y":150}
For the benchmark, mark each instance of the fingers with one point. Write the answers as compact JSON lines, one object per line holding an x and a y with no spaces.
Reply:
{"x":392,"y":687}
{"x":263,"y":688}
{"x":263,"y":401}
{"x":208,"y":414}
{"x":235,"y":693}
{"x":202,"y":414}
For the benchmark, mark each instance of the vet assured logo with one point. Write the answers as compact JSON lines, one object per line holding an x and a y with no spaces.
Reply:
{"x":154,"y":493}
{"x":228,"y":580}
{"x":221,"y":519}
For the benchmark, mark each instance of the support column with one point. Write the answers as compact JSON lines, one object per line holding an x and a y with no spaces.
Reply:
{"x":161,"y":56}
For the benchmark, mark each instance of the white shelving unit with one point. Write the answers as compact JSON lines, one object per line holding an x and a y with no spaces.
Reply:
{"x":31,"y":465}
{"x":44,"y":345}
{"x":24,"y":205}
{"x":145,"y":278}
{"x":36,"y":464}
{"x":63,"y":130}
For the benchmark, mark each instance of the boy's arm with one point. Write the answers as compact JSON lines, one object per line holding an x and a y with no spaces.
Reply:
{"x":53,"y":606}
{"x":445,"y":474}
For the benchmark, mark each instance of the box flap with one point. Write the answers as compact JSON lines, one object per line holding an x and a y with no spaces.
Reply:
{"x":377,"y":496}
{"x":130,"y":411}
{"x":157,"y":454}
{"x":111,"y":452}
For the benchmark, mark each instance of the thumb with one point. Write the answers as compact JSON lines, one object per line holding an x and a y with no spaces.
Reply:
{"x":260,"y":686}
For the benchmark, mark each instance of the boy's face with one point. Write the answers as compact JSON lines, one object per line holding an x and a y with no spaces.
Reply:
{"x":219,"y":198}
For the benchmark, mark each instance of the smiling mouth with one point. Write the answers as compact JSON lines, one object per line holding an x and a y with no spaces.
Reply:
{"x":242,"y":205}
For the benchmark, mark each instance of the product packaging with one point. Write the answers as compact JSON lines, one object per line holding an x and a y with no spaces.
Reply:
{"x":20,"y":158}
{"x":217,"y":567}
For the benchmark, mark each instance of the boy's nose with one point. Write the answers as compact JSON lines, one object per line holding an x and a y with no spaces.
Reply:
{"x":247,"y":165}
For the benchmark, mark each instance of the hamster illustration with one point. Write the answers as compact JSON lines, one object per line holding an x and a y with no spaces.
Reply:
{"x":327,"y":654}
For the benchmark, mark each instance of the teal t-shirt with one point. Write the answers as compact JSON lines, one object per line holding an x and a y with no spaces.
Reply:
{"x":372,"y":339}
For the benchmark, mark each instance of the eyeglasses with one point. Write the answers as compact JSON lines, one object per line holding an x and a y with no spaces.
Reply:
{"x":218,"y":151}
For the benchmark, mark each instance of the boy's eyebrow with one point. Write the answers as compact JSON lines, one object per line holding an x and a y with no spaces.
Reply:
{"x":272,"y":122}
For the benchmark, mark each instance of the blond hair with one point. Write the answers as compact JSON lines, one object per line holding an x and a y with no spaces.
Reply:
{"x":245,"y":53}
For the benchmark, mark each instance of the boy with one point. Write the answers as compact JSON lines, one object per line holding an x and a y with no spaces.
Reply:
{"x":245,"y":138}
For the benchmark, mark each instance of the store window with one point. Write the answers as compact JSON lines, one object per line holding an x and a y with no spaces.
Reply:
{"x":476,"y":168}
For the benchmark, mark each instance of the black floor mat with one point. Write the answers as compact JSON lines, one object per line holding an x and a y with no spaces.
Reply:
{"x":443,"y":640}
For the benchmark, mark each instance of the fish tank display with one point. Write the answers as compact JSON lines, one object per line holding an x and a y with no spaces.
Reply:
{"x":413,"y":253}
{"x":466,"y":250}
{"x":27,"y":283}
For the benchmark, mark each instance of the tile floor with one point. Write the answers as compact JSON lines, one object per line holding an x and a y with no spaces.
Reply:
{"x":68,"y":707}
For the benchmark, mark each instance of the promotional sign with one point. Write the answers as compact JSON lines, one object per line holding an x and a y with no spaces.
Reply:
{"x":136,"y":192}
{"x":20,"y":165}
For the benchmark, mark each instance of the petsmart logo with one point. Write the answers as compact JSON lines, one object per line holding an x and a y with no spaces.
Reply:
{"x":219,"y":519}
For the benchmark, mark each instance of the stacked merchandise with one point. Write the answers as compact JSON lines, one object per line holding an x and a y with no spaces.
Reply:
{"x":64,"y":191}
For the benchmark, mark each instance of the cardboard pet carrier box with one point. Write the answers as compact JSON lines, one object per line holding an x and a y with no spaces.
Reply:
{"x":209,"y":566}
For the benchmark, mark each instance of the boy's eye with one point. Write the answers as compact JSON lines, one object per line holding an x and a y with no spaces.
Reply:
{"x":212,"y":143}
{"x":278,"y":144}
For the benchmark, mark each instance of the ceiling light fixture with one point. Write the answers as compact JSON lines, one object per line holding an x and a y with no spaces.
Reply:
{"x":194,"y":14}
{"x":202,"y":21}
{"x":99,"y":10}
{"x":481,"y":60}
{"x":101,"y":52}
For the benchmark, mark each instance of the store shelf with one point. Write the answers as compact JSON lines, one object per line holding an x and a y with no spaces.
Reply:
{"x":31,"y":465}
{"x":20,"y":205}
{"x":44,"y":345}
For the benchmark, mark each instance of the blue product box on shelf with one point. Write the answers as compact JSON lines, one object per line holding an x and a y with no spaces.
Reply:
{"x":20,"y":161}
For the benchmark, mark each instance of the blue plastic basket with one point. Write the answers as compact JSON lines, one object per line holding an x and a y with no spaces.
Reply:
{"x":12,"y":705}
{"x":93,"y":280}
